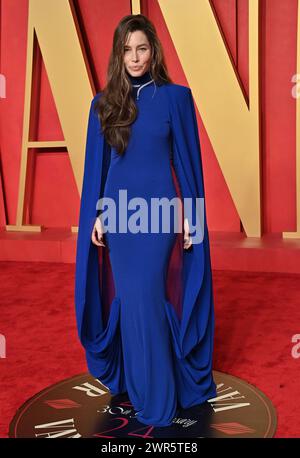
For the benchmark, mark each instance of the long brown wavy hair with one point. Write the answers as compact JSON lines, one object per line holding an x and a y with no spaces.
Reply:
{"x":116,"y":107}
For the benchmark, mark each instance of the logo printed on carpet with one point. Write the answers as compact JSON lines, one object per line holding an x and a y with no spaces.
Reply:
{"x":83,"y":407}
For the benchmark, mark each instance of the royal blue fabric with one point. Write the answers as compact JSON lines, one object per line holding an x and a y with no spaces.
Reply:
{"x":144,"y":349}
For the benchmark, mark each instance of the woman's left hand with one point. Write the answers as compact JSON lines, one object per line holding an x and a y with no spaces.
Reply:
{"x":187,"y":238}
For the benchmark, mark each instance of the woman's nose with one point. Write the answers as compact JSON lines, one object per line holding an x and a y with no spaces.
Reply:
{"x":134,"y":56}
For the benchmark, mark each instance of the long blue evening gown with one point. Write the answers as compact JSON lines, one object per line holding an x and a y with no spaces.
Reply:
{"x":147,"y":355}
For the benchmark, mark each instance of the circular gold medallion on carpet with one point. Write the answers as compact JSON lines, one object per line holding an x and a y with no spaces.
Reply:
{"x":83,"y":407}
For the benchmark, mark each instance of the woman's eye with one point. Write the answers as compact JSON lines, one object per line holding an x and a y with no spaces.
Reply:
{"x":143,"y":49}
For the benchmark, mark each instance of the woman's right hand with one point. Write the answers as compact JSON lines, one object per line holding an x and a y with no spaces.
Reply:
{"x":187,"y":236}
{"x":97,"y":233}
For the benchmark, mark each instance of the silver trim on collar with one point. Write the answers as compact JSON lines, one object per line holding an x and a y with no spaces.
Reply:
{"x":141,"y":87}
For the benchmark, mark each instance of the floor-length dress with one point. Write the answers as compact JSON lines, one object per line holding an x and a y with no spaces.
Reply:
{"x":147,"y":356}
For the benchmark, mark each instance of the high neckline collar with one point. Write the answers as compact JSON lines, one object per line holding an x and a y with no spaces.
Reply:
{"x":140,"y":79}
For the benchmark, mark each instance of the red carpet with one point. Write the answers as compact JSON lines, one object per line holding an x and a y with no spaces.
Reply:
{"x":256,"y":316}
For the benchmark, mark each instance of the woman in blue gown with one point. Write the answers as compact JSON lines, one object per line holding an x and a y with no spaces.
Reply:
{"x":162,"y":361}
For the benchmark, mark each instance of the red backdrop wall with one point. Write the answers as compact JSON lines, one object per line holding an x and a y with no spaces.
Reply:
{"x":55,"y":200}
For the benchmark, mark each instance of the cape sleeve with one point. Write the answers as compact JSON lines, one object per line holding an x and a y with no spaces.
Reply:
{"x":93,"y":334}
{"x":197,"y":323}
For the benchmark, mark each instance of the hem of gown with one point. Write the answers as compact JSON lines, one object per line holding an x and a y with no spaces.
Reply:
{"x":107,"y":337}
{"x":210,"y":395}
{"x":117,"y":393}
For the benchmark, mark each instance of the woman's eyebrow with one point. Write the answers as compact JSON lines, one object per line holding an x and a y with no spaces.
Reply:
{"x":144,"y":44}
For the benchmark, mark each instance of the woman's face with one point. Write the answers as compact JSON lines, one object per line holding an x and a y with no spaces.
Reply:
{"x":137,"y":53}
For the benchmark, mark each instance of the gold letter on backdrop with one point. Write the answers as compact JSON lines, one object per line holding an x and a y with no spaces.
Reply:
{"x":54,"y":26}
{"x":296,"y":235}
{"x":232,"y":126}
